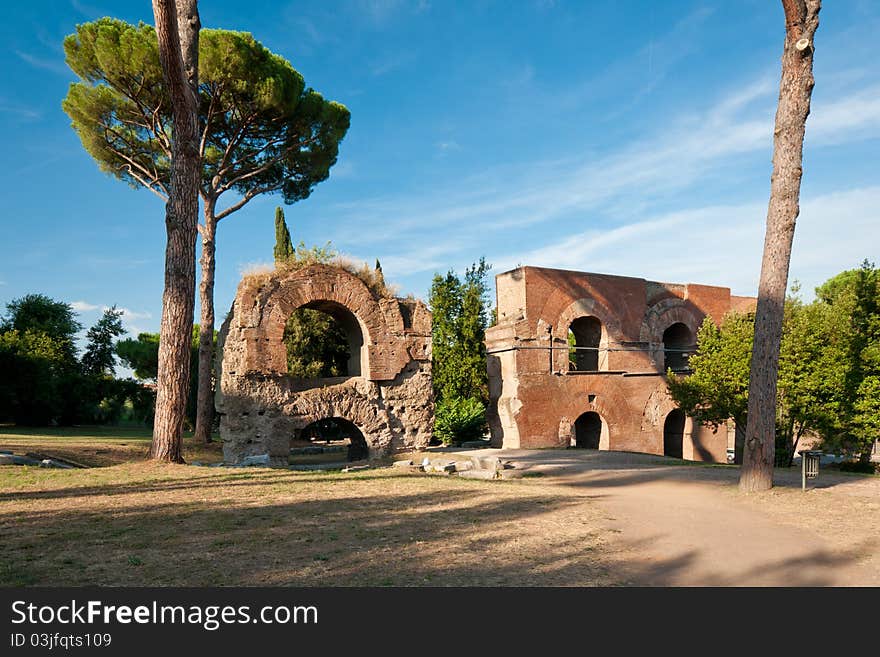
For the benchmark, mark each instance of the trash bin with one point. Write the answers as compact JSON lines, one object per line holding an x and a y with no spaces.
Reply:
{"x":809,"y":465}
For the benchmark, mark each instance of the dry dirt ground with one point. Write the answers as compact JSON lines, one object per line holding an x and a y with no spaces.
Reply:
{"x":689,"y":524}
{"x":580,"y":518}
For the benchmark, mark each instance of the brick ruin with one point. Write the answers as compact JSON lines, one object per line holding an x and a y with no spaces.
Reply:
{"x":613,"y":395}
{"x":387,"y":394}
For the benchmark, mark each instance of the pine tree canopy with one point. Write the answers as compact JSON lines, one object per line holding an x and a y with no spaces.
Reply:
{"x":263,"y":130}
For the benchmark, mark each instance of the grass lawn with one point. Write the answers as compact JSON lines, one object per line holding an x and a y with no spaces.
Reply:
{"x":133,"y":522}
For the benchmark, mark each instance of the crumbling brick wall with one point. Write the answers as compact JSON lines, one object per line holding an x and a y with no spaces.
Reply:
{"x":261,"y":408}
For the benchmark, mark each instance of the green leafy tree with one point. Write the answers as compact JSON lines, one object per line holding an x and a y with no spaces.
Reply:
{"x":40,"y":314}
{"x":858,"y":291}
{"x":262,"y":131}
{"x":460,"y":319}
{"x":284,"y":250}
{"x":141,"y":355}
{"x":828,"y":368}
{"x":32,"y":364}
{"x":98,"y":359}
{"x":317,"y":346}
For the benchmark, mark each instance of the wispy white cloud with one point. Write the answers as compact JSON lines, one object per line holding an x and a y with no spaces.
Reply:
{"x":131,"y":315}
{"x":381,"y":11}
{"x":673,"y":160}
{"x":721,"y":245}
{"x":20,"y":111}
{"x":55,"y":65}
{"x":131,"y":319}
{"x":392,"y":62}
{"x":345,"y":169}
{"x":86,"y":10}
{"x":618,"y":191}
{"x":449,"y":145}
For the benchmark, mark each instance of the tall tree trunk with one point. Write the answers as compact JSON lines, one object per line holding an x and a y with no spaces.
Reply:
{"x":177,"y":26}
{"x":795,"y":89}
{"x":205,"y":398}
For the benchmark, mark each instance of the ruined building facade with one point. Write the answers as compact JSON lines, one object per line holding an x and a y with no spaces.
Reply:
{"x":386,"y":396}
{"x":610,"y":392}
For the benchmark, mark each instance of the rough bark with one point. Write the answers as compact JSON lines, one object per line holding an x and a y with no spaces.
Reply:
{"x":205,"y":397}
{"x":181,"y":217}
{"x":795,"y":89}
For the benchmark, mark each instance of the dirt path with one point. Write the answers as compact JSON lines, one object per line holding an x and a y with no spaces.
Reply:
{"x":689,"y":525}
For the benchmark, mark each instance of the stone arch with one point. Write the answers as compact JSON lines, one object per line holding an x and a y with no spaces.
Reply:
{"x":678,"y":341}
{"x":590,"y":431}
{"x":345,"y":322}
{"x":673,"y":433}
{"x":577,"y":312}
{"x":586,"y":307}
{"x":337,"y":427}
{"x":260,"y":405}
{"x":567,"y":431}
{"x":660,"y":317}
{"x":382,"y":357}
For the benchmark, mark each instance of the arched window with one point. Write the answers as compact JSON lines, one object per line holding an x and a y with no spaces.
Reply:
{"x":327,"y":440}
{"x":678,"y":341}
{"x":588,"y":431}
{"x":673,"y":433}
{"x":584,"y":338}
{"x":323,"y":339}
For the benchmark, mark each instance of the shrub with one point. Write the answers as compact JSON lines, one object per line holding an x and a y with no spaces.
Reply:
{"x":864,"y":467}
{"x":459,"y":419}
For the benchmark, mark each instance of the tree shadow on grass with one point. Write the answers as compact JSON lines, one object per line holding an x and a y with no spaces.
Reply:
{"x":461,"y":537}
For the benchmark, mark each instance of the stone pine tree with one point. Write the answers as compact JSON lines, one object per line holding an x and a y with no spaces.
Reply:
{"x":795,"y":90}
{"x":261,"y":131}
{"x":283,"y":250}
{"x":177,"y":42}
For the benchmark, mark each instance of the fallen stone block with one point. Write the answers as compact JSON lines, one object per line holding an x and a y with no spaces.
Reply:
{"x":52,"y":463}
{"x":511,"y":474}
{"x":478,"y":474}
{"x":445,"y":468}
{"x":492,"y":463}
{"x":463,"y":466}
{"x":355,"y":468}
{"x":403,"y":464}
{"x":257,"y":460}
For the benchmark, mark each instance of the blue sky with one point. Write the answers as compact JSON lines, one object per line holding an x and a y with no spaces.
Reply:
{"x":623,"y":137}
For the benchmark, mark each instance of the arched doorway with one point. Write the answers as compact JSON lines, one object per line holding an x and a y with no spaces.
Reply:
{"x":330,"y":439}
{"x":588,"y":431}
{"x":323,"y":339}
{"x":678,"y":341}
{"x":584,"y":338}
{"x":673,"y":434}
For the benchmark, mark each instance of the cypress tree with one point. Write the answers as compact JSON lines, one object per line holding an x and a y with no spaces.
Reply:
{"x":284,"y":250}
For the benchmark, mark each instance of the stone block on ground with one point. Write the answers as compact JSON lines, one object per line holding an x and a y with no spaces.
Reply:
{"x":511,"y":474}
{"x":408,"y":463}
{"x":478,"y":474}
{"x":256,"y":460}
{"x":52,"y":463}
{"x":464,"y":466}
